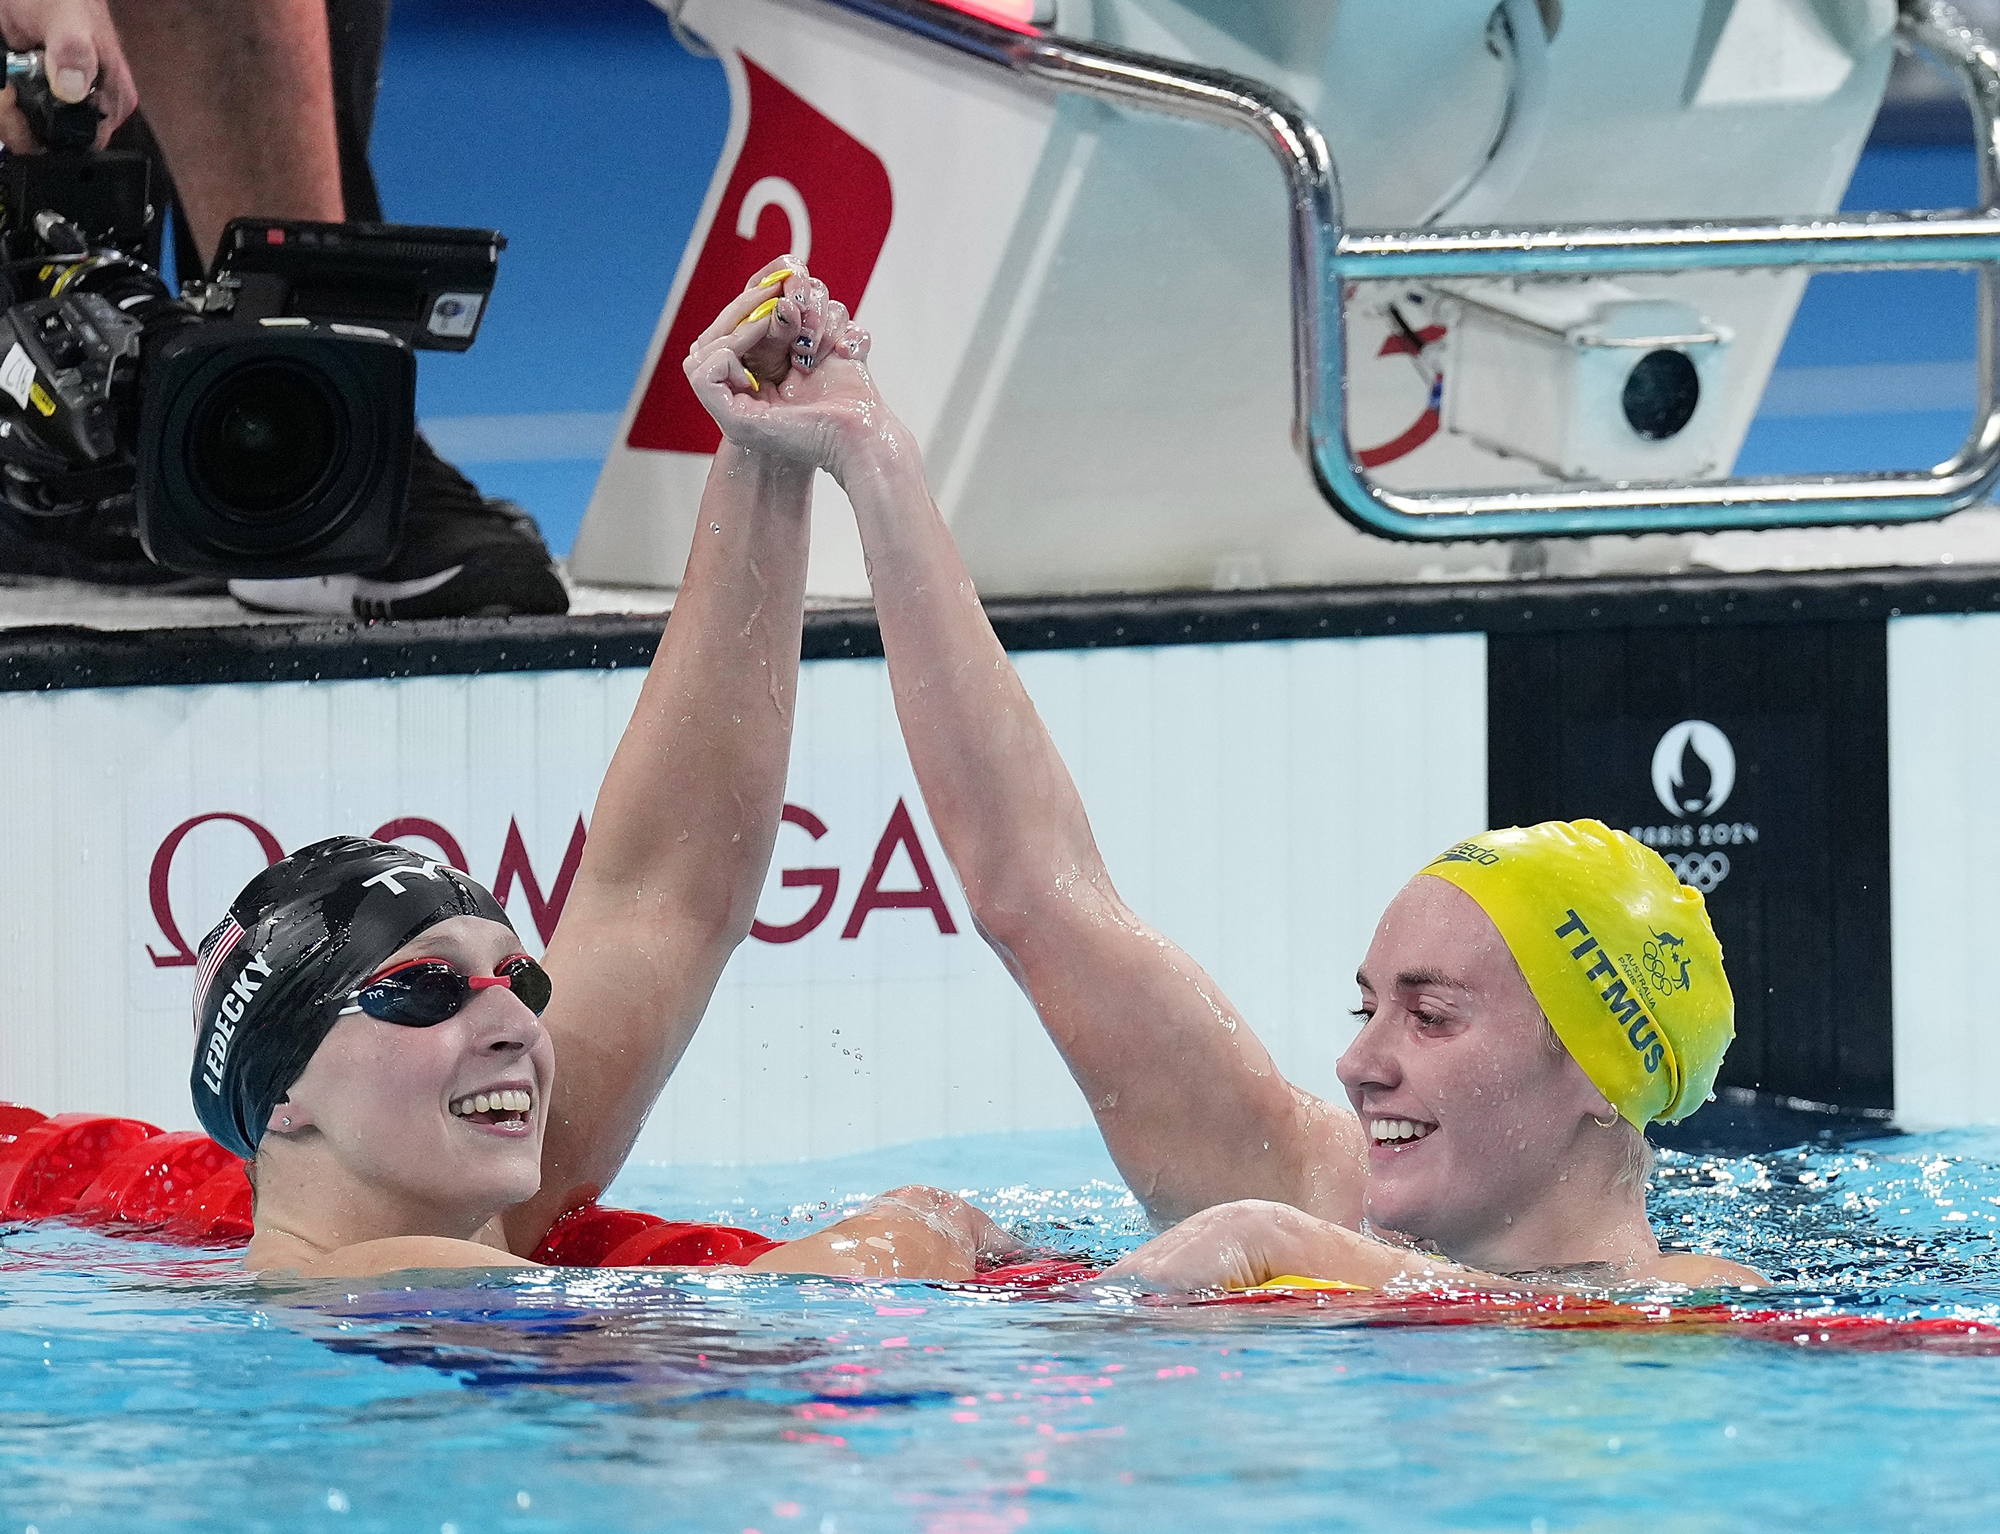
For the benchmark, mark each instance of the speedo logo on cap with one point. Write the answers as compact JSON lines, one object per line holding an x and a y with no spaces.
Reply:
{"x":1626,"y":1010}
{"x":229,"y":1013}
{"x":1468,"y":852}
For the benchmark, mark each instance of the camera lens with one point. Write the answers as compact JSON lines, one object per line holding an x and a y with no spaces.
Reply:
{"x":264,"y":439}
{"x":1661,"y":394}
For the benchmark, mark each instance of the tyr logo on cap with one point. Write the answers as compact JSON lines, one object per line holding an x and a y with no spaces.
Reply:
{"x":391,"y":879}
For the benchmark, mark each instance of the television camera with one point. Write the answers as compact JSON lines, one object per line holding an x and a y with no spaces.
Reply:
{"x":258,"y":423}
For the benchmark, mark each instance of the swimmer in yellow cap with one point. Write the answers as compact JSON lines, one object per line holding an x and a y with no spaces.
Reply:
{"x":1532,"y":999}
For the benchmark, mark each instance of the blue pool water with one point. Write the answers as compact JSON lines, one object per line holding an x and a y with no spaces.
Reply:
{"x":144,"y":1387}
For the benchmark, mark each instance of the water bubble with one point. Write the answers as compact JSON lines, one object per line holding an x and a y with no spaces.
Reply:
{"x":336,"y":1500}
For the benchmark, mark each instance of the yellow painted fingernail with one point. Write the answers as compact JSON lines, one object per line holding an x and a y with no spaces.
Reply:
{"x":754,"y":387}
{"x":776,"y":277}
{"x":768,"y":306}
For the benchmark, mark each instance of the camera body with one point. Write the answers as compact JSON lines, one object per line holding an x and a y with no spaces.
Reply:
{"x":257,"y":425}
{"x":266,"y":449}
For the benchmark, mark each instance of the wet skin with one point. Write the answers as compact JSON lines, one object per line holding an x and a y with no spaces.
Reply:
{"x":380,"y":1172}
{"x":374,"y":1171}
{"x":1506,"y":1163}
{"x":1485,"y":1140}
{"x":1509,"y":1159}
{"x":1513,"y":1159}
{"x":365,"y":1147}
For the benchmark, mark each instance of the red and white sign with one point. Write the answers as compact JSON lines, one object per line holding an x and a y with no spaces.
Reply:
{"x":829,"y":123}
{"x":540,"y":906}
{"x":802,"y":186}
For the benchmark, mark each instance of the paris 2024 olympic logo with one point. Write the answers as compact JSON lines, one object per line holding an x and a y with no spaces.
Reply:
{"x":1694,"y":774}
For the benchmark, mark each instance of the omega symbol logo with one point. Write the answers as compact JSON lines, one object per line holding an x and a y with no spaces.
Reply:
{"x":1694,"y":769}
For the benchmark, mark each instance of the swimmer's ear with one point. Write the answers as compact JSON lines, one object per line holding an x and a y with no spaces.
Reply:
{"x":287,"y":1118}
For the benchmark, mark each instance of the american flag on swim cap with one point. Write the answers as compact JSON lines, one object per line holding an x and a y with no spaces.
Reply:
{"x":215,"y":948}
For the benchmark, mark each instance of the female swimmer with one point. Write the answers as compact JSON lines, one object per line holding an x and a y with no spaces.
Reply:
{"x":372,"y":1039}
{"x":1530,"y":1002}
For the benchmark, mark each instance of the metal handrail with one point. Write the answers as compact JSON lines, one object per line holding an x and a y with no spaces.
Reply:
{"x":1518,"y":32}
{"x":1324,"y":256}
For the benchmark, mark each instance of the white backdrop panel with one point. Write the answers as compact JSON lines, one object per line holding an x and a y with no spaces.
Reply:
{"x":1944,"y":835}
{"x":1259,"y":803}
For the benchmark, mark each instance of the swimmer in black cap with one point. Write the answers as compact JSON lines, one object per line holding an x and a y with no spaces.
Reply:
{"x":373,"y":1039}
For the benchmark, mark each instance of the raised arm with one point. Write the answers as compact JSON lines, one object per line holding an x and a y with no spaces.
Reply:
{"x":682,"y":831}
{"x":1190,"y":1103}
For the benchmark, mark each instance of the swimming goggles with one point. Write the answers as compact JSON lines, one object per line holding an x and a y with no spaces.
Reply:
{"x":424,"y":992}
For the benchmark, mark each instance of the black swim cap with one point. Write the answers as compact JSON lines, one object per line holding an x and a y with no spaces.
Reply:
{"x":271,"y":980}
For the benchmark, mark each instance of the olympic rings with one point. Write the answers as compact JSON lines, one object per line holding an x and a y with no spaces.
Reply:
{"x":1703,"y":870}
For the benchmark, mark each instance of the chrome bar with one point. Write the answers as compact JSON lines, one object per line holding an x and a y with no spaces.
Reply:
{"x":1201,"y":95}
{"x":1518,"y":32}
{"x":1866,"y":243}
{"x":1936,"y":29}
{"x":1647,"y":343}
{"x":1324,"y":256}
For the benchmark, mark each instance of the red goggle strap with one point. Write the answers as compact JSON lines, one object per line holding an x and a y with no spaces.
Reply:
{"x":477,"y":982}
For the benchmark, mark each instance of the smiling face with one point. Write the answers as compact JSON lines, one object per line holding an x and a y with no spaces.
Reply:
{"x":1479,"y":1128}
{"x":444,"y":1122}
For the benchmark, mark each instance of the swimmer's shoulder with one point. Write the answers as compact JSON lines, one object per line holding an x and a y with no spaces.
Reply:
{"x":389,"y":1254}
{"x":1699,"y":1271}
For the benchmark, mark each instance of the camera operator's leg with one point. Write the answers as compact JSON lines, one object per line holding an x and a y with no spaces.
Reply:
{"x":356,"y":32}
{"x":239,"y":94}
{"x":304,"y":73}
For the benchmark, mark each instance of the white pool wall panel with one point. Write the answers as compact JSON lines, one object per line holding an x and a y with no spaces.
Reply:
{"x":1259,"y":803}
{"x":1944,"y":840}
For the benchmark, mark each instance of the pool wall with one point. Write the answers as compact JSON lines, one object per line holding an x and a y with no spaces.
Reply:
{"x":1263,"y":770}
{"x":1944,"y":773}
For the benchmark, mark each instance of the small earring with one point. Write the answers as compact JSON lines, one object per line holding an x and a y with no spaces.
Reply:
{"x":1600,"y":1123}
{"x":284,"y":1123}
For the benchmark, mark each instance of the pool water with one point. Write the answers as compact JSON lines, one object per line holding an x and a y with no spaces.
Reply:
{"x":149,"y":1387}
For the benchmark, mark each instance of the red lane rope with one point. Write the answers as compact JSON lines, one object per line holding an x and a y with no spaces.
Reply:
{"x":593,"y":1236}
{"x":125,"y":1177}
{"x":120,"y":1175}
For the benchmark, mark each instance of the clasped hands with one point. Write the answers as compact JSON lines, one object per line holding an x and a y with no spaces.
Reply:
{"x":783,"y":369}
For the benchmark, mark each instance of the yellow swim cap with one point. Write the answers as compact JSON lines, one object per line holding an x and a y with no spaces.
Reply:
{"x":1618,"y":952}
